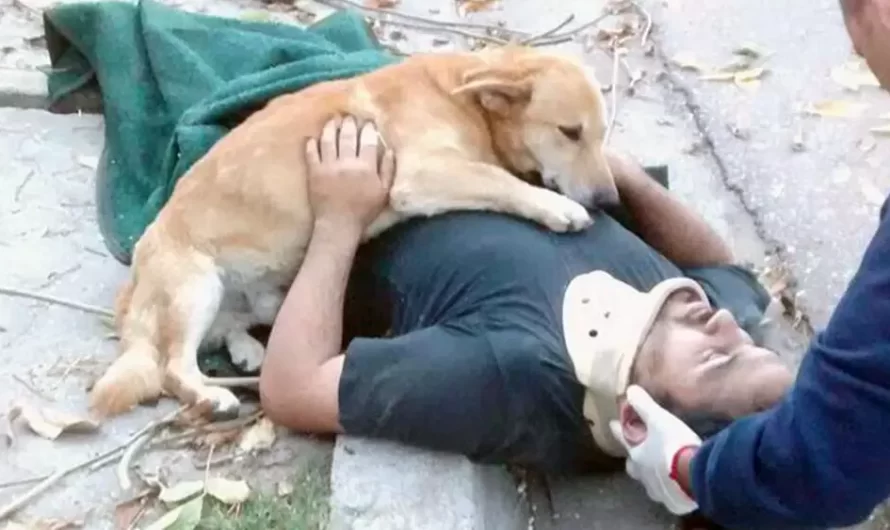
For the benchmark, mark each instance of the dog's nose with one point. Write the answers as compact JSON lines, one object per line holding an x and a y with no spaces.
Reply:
{"x":606,"y":197}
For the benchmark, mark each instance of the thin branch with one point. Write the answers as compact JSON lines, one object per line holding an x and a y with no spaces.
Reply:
{"x":568,"y":35}
{"x":648,"y":31}
{"x":112,"y":455}
{"x":51,"y":480}
{"x":466,"y":34}
{"x":123,"y":466}
{"x":44,"y":485}
{"x":616,"y":61}
{"x":549,"y":32}
{"x":386,"y":12}
{"x":247,"y":382}
{"x":86,"y":308}
{"x":22,"y":482}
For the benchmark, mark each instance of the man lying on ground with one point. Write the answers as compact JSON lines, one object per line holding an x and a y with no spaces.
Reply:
{"x":509,"y":343}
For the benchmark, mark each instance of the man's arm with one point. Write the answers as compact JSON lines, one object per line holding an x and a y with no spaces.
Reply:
{"x":665,"y":223}
{"x":306,"y":337}
{"x":300,"y":377}
{"x":821,"y":458}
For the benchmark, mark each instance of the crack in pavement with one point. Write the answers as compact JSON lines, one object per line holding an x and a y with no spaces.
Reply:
{"x":774,"y":247}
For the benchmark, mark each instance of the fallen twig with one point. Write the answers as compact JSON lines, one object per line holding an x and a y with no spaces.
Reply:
{"x":569,"y":35}
{"x":87,"y":308}
{"x":220,"y":460}
{"x":648,"y":30}
{"x":616,"y":60}
{"x":22,"y":482}
{"x":112,"y":455}
{"x":123,"y":465}
{"x":549,"y":32}
{"x":31,"y":387}
{"x":18,"y":189}
{"x":44,"y":485}
{"x":466,"y":34}
{"x":248,"y":382}
{"x":387,"y":12}
{"x":93,"y":463}
{"x":23,"y":5}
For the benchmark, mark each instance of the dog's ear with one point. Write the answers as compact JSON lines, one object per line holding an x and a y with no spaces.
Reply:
{"x":497,"y":90}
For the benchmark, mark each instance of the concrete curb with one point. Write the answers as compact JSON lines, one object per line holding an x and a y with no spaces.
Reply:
{"x":24,"y":89}
{"x":377,"y":485}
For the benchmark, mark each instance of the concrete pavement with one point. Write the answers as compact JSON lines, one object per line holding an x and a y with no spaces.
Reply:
{"x":729,"y":152}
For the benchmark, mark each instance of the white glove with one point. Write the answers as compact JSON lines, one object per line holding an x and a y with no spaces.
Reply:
{"x":651,"y":461}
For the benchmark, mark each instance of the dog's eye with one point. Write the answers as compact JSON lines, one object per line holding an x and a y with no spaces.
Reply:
{"x":573,"y":133}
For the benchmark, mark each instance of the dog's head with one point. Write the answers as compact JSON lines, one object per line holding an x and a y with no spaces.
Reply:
{"x":547,"y":115}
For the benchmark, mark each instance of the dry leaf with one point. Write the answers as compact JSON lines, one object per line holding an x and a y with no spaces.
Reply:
{"x":50,"y":423}
{"x":685,"y":61}
{"x":228,"y":491}
{"x":751,"y":51}
{"x":866,"y":144}
{"x":798,"y":143}
{"x":854,"y":75}
{"x":746,"y":78}
{"x":180,"y":492}
{"x":7,"y":434}
{"x":255,"y":16}
{"x":91,"y":162}
{"x":749,"y":75}
{"x":871,"y":192}
{"x":127,"y":513}
{"x":44,"y":524}
{"x":183,"y":517}
{"x":834,"y":108}
{"x":381,"y":4}
{"x":216,"y":438}
{"x":259,"y":437}
{"x":284,"y":488}
{"x":472,"y":6}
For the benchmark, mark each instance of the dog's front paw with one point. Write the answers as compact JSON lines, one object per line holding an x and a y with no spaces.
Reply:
{"x":246,"y":351}
{"x":562,"y":214}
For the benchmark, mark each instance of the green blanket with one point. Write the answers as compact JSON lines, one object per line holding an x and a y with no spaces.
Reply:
{"x":172,"y":83}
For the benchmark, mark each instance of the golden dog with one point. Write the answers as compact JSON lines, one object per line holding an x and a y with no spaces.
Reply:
{"x":222,"y":252}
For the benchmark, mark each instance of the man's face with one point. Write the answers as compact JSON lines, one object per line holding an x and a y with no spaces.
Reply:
{"x":868,"y":24}
{"x":699,"y":360}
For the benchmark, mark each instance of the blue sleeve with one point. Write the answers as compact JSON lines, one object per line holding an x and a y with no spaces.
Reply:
{"x":821,"y":457}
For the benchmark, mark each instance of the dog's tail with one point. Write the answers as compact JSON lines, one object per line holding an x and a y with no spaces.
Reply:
{"x":133,"y":378}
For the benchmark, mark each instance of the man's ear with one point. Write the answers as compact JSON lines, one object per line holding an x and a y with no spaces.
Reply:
{"x":497,"y":91}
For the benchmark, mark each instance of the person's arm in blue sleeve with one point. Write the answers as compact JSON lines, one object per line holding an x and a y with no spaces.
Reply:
{"x":821,"y":457}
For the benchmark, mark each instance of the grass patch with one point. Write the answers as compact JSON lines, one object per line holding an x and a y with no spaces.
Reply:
{"x":305,"y":508}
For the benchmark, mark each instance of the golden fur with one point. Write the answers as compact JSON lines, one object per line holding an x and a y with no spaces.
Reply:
{"x":222,"y":252}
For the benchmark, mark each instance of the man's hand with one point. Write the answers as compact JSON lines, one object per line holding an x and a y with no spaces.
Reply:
{"x":656,"y":460}
{"x":347,"y":189}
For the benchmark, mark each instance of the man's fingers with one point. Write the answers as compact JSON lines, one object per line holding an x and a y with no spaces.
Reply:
{"x":368,"y":144}
{"x":348,"y":138}
{"x":642,"y":403}
{"x":388,"y":169}
{"x":329,"y":139}
{"x":313,"y":158}
{"x":618,"y":433}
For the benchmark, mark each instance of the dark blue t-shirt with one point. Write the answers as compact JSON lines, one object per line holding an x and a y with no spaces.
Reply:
{"x":475,"y":361}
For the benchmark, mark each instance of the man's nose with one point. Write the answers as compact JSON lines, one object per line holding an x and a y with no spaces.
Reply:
{"x":721,"y":322}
